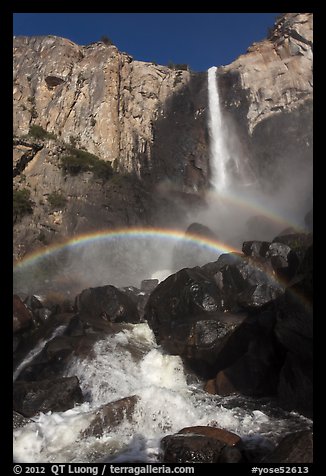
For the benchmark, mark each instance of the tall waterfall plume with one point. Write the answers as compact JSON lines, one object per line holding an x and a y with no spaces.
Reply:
{"x":219,"y":155}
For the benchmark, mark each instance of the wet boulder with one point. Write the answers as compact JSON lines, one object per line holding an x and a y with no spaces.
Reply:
{"x":245,"y":282}
{"x":295,"y":386}
{"x":22,"y":316}
{"x":18,"y":420}
{"x":297,"y":242}
{"x":178,"y":303}
{"x":106,"y":303}
{"x":179,"y":298}
{"x":251,"y":360}
{"x":110,"y":415}
{"x":294,"y":448}
{"x":138,"y":296}
{"x":30,"y":398}
{"x":294,"y":323}
{"x":255,"y":248}
{"x":201,"y":445}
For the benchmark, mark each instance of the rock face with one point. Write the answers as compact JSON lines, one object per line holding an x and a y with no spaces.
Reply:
{"x":234,"y":322}
{"x":95,"y":97}
{"x":268,"y":94}
{"x":149,"y":122}
{"x":202,"y":444}
{"x":55,"y":395}
{"x":294,"y":448}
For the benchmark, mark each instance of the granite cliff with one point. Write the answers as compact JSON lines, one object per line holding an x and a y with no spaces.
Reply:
{"x":149,"y":122}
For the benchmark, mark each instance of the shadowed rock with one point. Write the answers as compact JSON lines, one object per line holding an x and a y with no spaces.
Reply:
{"x":294,"y":448}
{"x":61,"y":394}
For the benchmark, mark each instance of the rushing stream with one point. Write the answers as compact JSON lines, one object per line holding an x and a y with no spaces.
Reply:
{"x":130,"y":363}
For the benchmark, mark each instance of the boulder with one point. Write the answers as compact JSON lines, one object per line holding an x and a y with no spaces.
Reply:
{"x":251,"y":359}
{"x":110,"y":415}
{"x":18,"y":421}
{"x":30,"y":398}
{"x":22,"y":316}
{"x":255,"y":248}
{"x":245,"y":282}
{"x":295,"y":386}
{"x":297,"y":242}
{"x":201,"y":444}
{"x":179,"y":299}
{"x":296,"y":448}
{"x":294,"y":324}
{"x":106,"y":303}
{"x":227,"y":437}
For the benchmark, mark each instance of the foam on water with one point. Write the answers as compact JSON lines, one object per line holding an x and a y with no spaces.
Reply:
{"x":131,"y":363}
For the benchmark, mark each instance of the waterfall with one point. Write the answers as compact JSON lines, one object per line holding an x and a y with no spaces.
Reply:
{"x":218,"y":151}
{"x":36,"y":351}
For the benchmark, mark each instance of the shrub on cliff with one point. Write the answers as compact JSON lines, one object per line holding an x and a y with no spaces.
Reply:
{"x":83,"y":161}
{"x":56,"y":200}
{"x":22,"y":205}
{"x":39,"y":133}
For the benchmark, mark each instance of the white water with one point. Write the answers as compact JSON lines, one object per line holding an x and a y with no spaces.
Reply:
{"x":219,"y":150}
{"x":37,"y":350}
{"x":130,"y":363}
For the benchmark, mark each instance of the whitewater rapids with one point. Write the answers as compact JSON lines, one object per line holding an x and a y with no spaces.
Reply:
{"x":131,"y":363}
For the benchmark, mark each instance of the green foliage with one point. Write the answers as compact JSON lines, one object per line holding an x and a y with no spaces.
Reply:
{"x":178,"y":66}
{"x":83,"y":161}
{"x":56,"y":200}
{"x":22,"y":205}
{"x":39,"y":133}
{"x":106,"y":40}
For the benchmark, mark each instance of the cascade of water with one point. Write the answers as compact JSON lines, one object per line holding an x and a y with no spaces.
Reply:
{"x":131,"y":363}
{"x":36,"y":351}
{"x":219,"y":152}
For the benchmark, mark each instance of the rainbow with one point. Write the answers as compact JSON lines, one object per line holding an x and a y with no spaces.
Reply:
{"x":138,"y":233}
{"x":123,"y":233}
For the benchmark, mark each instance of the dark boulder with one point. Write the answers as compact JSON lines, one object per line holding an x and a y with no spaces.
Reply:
{"x":255,"y":248}
{"x":140,"y":297}
{"x":110,"y":415}
{"x":294,"y":448}
{"x":18,"y":420}
{"x":30,"y":398}
{"x":251,"y":359}
{"x":295,"y":387}
{"x":255,"y":447}
{"x":201,"y":445}
{"x":178,"y":299}
{"x":106,"y":303}
{"x":220,"y":434}
{"x":297,"y":242}
{"x":294,"y":324}
{"x":245,"y":282}
{"x":22,"y":316}
{"x":284,"y":260}
{"x":255,"y":373}
{"x":191,"y":449}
